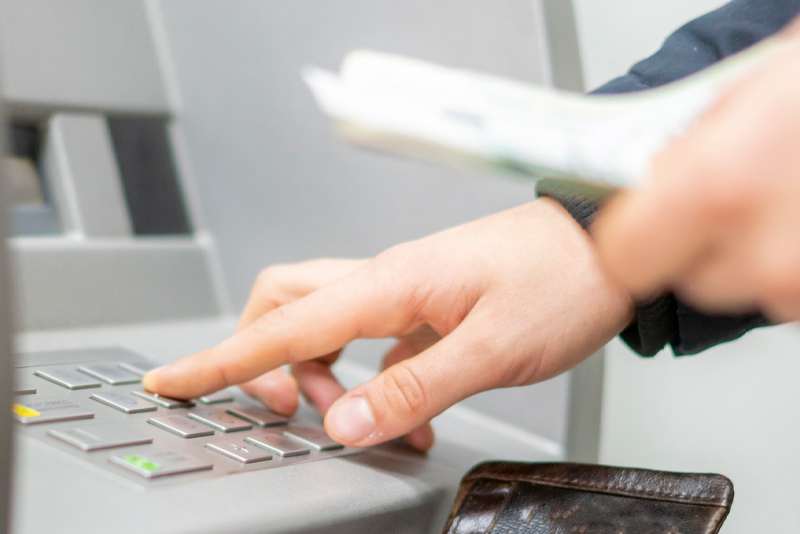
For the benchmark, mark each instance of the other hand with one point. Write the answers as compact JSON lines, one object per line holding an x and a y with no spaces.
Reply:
{"x":719,"y":221}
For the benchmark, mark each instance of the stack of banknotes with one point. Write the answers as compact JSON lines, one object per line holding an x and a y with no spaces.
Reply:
{"x":421,"y":110}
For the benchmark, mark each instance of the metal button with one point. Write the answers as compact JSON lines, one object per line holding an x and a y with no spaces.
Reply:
{"x":164,"y":402}
{"x":101,"y":436}
{"x":278,"y":444}
{"x":221,"y":420}
{"x":159,"y":463}
{"x":258,"y":416}
{"x":49,"y":410}
{"x":217,"y":398}
{"x":124,"y":402}
{"x":315,"y":437}
{"x":109,"y":374}
{"x":239,"y":450}
{"x":138,"y":368}
{"x":181,"y":426}
{"x":68,"y":379}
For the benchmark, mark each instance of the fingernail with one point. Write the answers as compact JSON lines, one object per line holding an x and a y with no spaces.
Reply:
{"x":150,"y":375}
{"x":351,"y":420}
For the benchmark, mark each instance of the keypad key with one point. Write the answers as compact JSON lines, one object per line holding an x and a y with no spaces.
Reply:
{"x":221,"y":420}
{"x":217,"y":398}
{"x":313,"y":436}
{"x":138,"y":368}
{"x":161,"y":463}
{"x":164,"y":402}
{"x":239,"y":450}
{"x":124,"y":402}
{"x":100,"y":436}
{"x":258,"y":416}
{"x":278,"y":444}
{"x":181,"y":426}
{"x":24,"y":390}
{"x":49,"y":410}
{"x":109,"y":374}
{"x":67,"y":378}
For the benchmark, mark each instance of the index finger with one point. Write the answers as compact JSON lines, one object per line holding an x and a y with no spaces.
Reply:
{"x":359,"y":305}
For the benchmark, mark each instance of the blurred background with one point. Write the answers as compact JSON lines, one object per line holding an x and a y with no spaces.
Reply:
{"x":214,"y":90}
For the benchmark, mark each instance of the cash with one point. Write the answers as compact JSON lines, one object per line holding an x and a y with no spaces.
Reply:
{"x":457,"y":117}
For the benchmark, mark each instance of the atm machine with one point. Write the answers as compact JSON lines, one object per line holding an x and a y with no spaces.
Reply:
{"x":160,"y":153}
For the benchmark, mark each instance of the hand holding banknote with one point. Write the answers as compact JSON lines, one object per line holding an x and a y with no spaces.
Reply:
{"x":719,"y":219}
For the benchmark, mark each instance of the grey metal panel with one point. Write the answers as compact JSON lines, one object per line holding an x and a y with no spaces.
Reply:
{"x":34,"y":220}
{"x":5,"y":352}
{"x":542,"y":408}
{"x":562,"y":39}
{"x":65,"y":283}
{"x":86,"y":54}
{"x":84,"y":176}
{"x":586,"y":410}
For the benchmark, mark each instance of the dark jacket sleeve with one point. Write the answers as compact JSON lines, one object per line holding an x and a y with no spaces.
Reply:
{"x":700,"y":43}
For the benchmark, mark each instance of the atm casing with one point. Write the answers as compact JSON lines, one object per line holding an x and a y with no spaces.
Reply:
{"x":225,"y":78}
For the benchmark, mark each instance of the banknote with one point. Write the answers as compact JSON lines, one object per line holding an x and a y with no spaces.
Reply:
{"x":418,"y":109}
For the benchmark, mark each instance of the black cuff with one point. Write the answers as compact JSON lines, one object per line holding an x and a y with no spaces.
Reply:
{"x":582,"y":209}
{"x":654,"y":326}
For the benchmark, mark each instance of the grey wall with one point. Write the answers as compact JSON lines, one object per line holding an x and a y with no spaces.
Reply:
{"x":276,"y":186}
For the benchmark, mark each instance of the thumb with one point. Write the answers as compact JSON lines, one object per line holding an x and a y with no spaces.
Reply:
{"x":649,"y":237}
{"x":410,"y":393}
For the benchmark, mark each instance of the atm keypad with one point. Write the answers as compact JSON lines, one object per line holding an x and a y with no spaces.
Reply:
{"x":314,"y":437}
{"x":239,"y":450}
{"x":138,"y":368}
{"x":110,"y":374}
{"x":161,"y":463}
{"x":217,"y":398}
{"x":278,"y":444}
{"x":35,"y":410}
{"x":164,"y":402}
{"x":97,"y":436}
{"x":99,"y":413}
{"x":258,"y":416}
{"x":68,"y":379}
{"x":182,"y":426}
{"x":124,"y":402}
{"x":220,"y":420}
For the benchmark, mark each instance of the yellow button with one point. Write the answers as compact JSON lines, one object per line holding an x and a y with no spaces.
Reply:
{"x":24,"y":411}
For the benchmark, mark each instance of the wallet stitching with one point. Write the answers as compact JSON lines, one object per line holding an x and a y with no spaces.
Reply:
{"x":627,"y":490}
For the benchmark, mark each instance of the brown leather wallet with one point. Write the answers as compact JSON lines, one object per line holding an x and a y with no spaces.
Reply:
{"x":563,"y":498}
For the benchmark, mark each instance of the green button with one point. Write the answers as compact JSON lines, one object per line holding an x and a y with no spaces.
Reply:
{"x":141,"y":461}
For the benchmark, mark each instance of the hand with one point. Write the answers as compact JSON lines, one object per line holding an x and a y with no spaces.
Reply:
{"x":719,"y":222}
{"x":508,"y":300}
